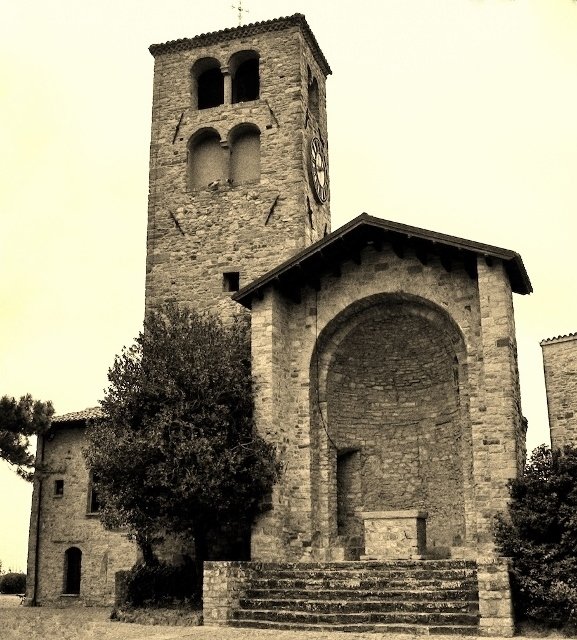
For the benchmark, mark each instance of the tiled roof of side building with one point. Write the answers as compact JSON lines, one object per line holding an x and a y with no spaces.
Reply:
{"x":565,"y":338}
{"x":244,"y":31}
{"x":78,"y":416}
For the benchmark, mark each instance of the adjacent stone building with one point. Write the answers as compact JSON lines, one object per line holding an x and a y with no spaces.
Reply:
{"x":384,"y":356}
{"x":560,"y":364}
{"x":71,"y":557}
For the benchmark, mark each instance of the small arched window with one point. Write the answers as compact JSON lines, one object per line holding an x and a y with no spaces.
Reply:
{"x":207,"y":83}
{"x":72,"y":570}
{"x":244,"y":69}
{"x":206,"y":160}
{"x":245,"y":154}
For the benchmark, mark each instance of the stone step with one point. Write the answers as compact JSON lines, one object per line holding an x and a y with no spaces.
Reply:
{"x":358,"y":574}
{"x":456,"y":630}
{"x":367,"y":582}
{"x":363,"y":565}
{"x":360,"y":606}
{"x":384,"y":595}
{"x":412,"y":618}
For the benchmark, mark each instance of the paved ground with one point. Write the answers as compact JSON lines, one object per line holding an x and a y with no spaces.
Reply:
{"x":44,"y":623}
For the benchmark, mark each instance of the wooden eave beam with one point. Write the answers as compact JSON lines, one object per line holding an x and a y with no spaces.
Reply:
{"x":470,"y":265}
{"x":446,"y":260}
{"x":399,"y":248}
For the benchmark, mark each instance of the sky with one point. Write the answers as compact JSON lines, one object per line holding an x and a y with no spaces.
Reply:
{"x":454,"y":115}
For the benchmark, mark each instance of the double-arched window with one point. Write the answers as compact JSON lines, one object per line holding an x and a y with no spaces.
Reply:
{"x":236,"y":161}
{"x":213,"y":84}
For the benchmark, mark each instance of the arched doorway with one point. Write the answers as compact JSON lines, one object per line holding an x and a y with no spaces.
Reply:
{"x":72,"y":570}
{"x":388,"y":385}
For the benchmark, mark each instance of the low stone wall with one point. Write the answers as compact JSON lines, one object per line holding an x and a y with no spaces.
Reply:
{"x":495,"y":604}
{"x":223,"y":587}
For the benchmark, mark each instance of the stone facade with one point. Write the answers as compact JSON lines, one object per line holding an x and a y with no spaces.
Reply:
{"x":560,"y":363}
{"x":430,"y":401}
{"x":196,"y":234}
{"x":62,"y":519}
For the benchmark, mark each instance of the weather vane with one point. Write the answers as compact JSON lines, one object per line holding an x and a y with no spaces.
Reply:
{"x":240,"y":11}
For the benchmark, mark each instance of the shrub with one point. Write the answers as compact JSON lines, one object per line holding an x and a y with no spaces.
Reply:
{"x":540,"y":535}
{"x":160,"y":584}
{"x":13,"y":583}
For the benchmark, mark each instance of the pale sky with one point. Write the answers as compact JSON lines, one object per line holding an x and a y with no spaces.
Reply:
{"x":458,"y":116}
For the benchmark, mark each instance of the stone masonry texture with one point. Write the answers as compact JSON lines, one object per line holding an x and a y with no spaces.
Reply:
{"x":560,"y":362}
{"x":196,"y":235}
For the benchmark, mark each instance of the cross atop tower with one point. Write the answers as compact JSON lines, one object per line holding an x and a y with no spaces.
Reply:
{"x":240,"y":11}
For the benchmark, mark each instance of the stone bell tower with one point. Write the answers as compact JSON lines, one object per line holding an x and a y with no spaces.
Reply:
{"x":238,"y":160}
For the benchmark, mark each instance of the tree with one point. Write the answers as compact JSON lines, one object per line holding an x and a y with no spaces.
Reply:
{"x":176,"y":450}
{"x":540,"y":535}
{"x":20,"y":419}
{"x":13,"y":582}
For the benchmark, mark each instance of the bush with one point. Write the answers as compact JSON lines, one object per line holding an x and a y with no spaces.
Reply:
{"x":540,"y":535}
{"x":13,"y":583}
{"x":160,"y":585}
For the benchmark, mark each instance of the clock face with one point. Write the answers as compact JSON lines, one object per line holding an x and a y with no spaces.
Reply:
{"x":319,"y":172}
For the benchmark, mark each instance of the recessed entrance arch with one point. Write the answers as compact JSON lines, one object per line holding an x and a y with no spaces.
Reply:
{"x":390,"y":422}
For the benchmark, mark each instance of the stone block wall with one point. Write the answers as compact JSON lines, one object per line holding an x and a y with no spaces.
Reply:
{"x":495,"y":605}
{"x":498,"y":426}
{"x":223,"y":587}
{"x":560,"y":364}
{"x":65,"y":522}
{"x":392,"y":535}
{"x":196,"y":235}
{"x":392,"y":394}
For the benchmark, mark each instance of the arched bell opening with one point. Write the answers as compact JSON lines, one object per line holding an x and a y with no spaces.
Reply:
{"x":207,"y":84}
{"x":390,"y":425}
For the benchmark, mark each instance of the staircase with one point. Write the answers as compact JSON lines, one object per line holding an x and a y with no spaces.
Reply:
{"x":419,"y":597}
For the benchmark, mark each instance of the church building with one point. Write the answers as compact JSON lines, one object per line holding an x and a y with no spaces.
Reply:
{"x":384,"y":359}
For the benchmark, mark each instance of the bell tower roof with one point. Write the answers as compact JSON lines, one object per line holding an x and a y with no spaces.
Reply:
{"x":243,"y":31}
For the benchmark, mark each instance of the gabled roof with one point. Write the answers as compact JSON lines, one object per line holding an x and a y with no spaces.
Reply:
{"x":346,"y":243}
{"x":244,"y":31}
{"x":78,"y":416}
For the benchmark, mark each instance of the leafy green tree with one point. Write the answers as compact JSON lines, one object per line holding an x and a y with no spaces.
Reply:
{"x":20,"y":419}
{"x":176,"y":450}
{"x":540,"y":535}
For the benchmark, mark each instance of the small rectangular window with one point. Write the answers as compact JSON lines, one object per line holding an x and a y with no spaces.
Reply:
{"x":59,"y":488}
{"x":231,"y":281}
